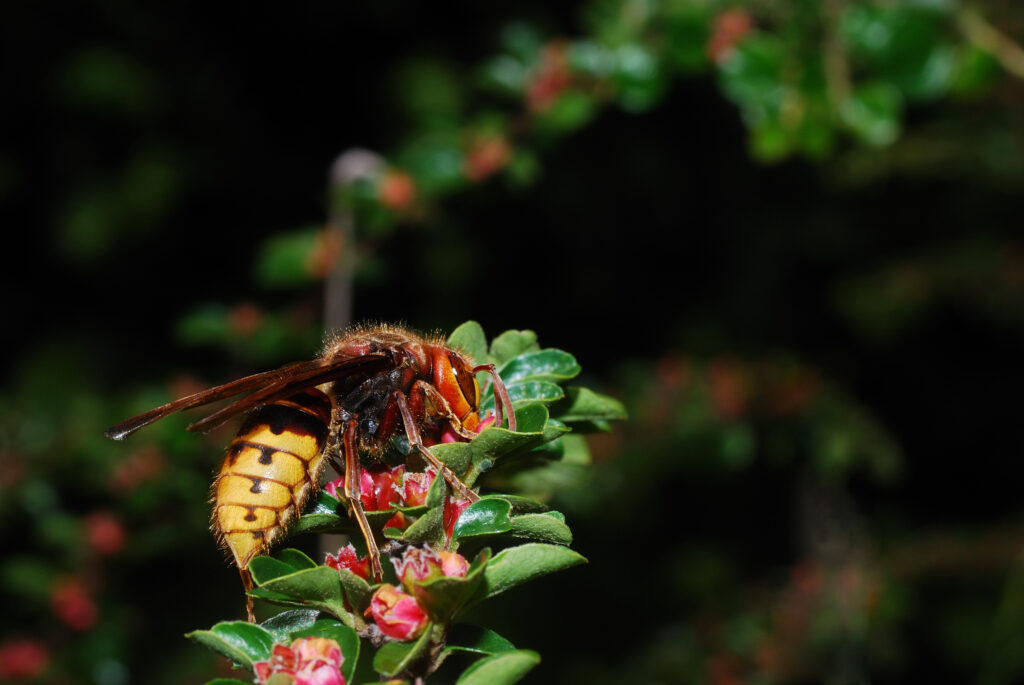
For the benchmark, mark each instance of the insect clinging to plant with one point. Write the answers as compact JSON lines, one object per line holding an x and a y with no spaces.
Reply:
{"x":369,"y":385}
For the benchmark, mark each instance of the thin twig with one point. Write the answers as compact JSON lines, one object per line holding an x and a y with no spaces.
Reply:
{"x":984,"y":35}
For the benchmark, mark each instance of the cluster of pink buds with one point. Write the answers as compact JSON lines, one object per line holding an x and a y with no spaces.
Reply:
{"x":307,"y":661}
{"x":382,"y":488}
{"x":398,"y":612}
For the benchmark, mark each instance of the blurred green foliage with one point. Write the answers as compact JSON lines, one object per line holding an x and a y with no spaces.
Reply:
{"x":766,"y":512}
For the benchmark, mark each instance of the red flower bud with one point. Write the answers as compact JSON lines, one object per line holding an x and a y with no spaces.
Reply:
{"x":397,"y":614}
{"x":348,"y":559}
{"x":398,"y":521}
{"x":414,"y":486}
{"x":453,"y":509}
{"x":308,"y":661}
{"x":332,"y":487}
{"x":419,"y":564}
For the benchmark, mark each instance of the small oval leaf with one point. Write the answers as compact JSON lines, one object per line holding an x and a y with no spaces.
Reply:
{"x":500,"y":669}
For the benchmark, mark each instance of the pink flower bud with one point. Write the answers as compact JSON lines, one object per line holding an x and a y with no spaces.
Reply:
{"x":332,"y":487}
{"x":487,"y":422}
{"x":453,"y":509}
{"x":348,"y":559}
{"x":397,"y":614}
{"x":398,"y":521}
{"x":453,"y":564}
{"x":308,"y":661}
{"x":419,"y":564}
{"x":415,"y":486}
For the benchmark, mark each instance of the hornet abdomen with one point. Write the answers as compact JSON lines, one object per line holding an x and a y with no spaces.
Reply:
{"x":271,"y":469}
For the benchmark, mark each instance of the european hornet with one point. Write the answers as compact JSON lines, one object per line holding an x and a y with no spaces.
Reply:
{"x":369,"y":384}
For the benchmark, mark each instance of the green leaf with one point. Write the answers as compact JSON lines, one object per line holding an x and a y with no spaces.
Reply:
{"x":395,"y":657}
{"x":287,"y":622}
{"x":873,"y":113}
{"x":264,"y":569}
{"x":427,"y":528}
{"x":227,"y":681}
{"x":470,"y":338}
{"x":484,"y":517}
{"x":529,"y":391}
{"x":239,"y":641}
{"x":583,"y":404}
{"x":500,"y":669}
{"x":542,"y":527}
{"x":517,"y":565}
{"x":512,"y":344}
{"x":318,"y":588}
{"x":495,"y":443}
{"x":346,"y":638}
{"x":295,"y":558}
{"x":521,"y":505}
{"x":467,"y":638}
{"x":545,"y":365}
{"x":286,"y":260}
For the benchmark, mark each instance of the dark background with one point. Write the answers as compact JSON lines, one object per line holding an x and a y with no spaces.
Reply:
{"x":150,"y":152}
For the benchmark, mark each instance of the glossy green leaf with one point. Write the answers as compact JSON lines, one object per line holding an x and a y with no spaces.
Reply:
{"x":495,"y":443}
{"x":346,"y":638}
{"x":485,"y":517}
{"x":326,"y":503}
{"x":227,"y":681}
{"x":517,"y":565}
{"x":297,"y":559}
{"x":264,"y":569}
{"x":469,"y":337}
{"x":239,"y":641}
{"x":583,"y":404}
{"x":287,"y":622}
{"x":512,"y":344}
{"x":467,"y":638}
{"x":529,"y":391}
{"x":395,"y":657}
{"x":501,"y":669}
{"x":521,"y":505}
{"x":318,"y":588}
{"x":546,"y":365}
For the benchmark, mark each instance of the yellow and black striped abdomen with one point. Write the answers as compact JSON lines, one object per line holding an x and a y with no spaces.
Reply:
{"x":271,"y":468}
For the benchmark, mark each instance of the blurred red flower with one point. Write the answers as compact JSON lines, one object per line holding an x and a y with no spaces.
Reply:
{"x":23,"y":658}
{"x":728,"y":29}
{"x":550,"y":78}
{"x":396,"y":190}
{"x":72,"y":604}
{"x":487,"y":155}
{"x":104,"y":532}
